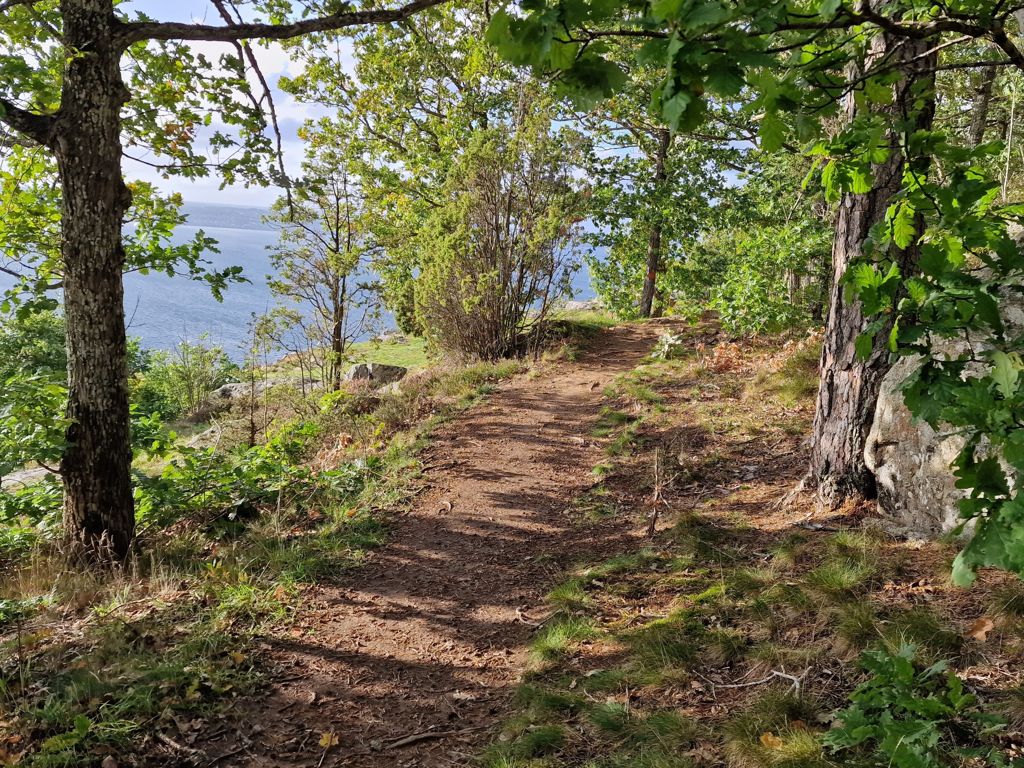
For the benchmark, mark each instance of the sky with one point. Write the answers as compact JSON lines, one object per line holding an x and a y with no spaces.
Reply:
{"x":274,"y":63}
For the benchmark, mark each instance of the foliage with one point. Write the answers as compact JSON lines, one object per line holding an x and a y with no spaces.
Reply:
{"x":320,"y":261}
{"x":499,"y":250}
{"x":951,"y":313}
{"x":909,"y":717}
{"x":178,"y":382}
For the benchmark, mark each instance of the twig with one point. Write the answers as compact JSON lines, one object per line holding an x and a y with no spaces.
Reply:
{"x":797,"y":681}
{"x":415,"y":738}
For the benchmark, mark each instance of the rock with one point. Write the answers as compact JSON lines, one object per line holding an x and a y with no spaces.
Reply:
{"x":233,"y":391}
{"x":589,"y":305}
{"x":911,"y":463}
{"x":377,"y":374}
{"x":393,"y":337}
{"x":910,"y":460}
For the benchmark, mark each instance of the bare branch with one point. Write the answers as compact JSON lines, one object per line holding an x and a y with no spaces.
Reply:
{"x":133,"y":32}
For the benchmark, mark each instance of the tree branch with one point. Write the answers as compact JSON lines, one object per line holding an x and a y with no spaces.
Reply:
{"x":39,"y":128}
{"x":137,"y":31}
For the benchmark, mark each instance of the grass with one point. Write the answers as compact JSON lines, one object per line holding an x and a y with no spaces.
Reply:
{"x":411,"y":354}
{"x":795,"y":381}
{"x":561,"y":635}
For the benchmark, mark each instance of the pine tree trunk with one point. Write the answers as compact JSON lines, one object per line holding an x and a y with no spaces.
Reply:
{"x":654,"y":239}
{"x":848,"y":391}
{"x":99,"y":516}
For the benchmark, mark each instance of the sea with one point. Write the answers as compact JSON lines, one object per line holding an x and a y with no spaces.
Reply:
{"x":161,"y":311}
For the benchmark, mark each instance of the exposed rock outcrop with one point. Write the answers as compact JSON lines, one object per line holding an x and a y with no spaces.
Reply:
{"x":911,"y":461}
{"x":377,"y":374}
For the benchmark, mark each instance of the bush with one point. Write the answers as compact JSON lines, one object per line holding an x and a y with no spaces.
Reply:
{"x":177,"y":383}
{"x":498,"y":249}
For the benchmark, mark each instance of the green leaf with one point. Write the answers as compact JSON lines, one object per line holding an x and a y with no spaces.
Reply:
{"x":725,"y":79}
{"x":902,"y":225}
{"x":864,"y":345}
{"x":772,"y":133}
{"x":1006,"y":372}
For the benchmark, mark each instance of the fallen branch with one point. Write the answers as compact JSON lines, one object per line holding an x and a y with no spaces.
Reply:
{"x":796,"y":681}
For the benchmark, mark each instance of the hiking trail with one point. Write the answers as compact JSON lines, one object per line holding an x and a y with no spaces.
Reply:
{"x":410,"y":661}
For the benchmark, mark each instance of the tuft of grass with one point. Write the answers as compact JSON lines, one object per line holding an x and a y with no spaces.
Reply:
{"x":922,"y":628}
{"x":571,"y":596}
{"x":667,"y":643}
{"x":561,"y":636}
{"x":839,"y":580}
{"x":700,"y":539}
{"x":856,"y":625}
{"x":789,"y":552}
{"x":1008,"y":600}
{"x":773,"y":732}
{"x":540,"y":740}
{"x":610,"y":420}
{"x":751,"y":581}
{"x":724,"y":646}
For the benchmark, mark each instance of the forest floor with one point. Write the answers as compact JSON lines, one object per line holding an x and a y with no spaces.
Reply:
{"x":412,"y":659}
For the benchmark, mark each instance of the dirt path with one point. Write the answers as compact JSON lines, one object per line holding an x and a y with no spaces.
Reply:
{"x":429,"y":637}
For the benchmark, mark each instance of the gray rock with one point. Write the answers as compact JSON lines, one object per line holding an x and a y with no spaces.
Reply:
{"x":233,"y":391}
{"x":917,"y":496}
{"x":911,"y":463}
{"x":393,"y":337}
{"x":589,"y":305}
{"x":377,"y":374}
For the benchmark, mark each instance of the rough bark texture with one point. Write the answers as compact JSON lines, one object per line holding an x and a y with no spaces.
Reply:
{"x":849,"y":385}
{"x":654,"y":240}
{"x":99,"y":515}
{"x":979,"y":111}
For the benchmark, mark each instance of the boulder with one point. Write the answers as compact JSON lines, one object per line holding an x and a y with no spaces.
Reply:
{"x":911,"y":463}
{"x":234,"y":391}
{"x":917,"y":496}
{"x":393,"y":337}
{"x":377,"y":374}
{"x":587,"y":305}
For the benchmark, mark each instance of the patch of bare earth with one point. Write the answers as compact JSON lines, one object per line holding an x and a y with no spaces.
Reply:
{"x":411,"y":659}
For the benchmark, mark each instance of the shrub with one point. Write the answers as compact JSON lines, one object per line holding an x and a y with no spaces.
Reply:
{"x":499,"y":248}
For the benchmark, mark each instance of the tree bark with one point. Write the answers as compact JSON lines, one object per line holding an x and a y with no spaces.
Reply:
{"x":849,"y":386}
{"x":979,"y":110}
{"x":654,"y":240}
{"x":99,"y":515}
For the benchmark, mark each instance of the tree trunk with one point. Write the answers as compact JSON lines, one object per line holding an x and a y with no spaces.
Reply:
{"x":849,"y":385}
{"x":99,"y":515}
{"x":654,"y":240}
{"x":338,"y":332}
{"x":979,"y":111}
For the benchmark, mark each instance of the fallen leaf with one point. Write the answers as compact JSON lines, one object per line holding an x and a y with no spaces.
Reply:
{"x":771,"y":741}
{"x":328,"y":739}
{"x":980,"y":629}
